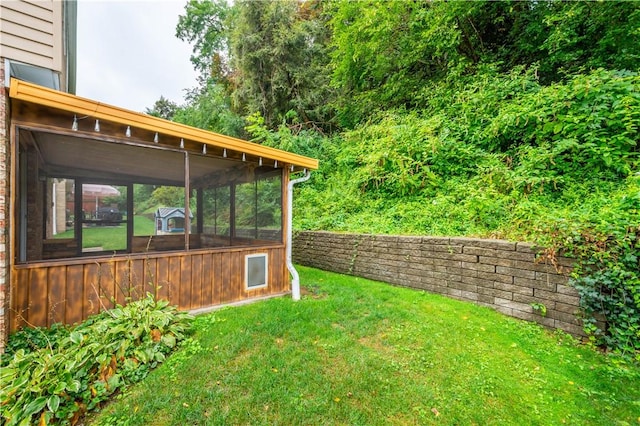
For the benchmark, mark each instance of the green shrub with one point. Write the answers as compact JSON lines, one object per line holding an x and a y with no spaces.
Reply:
{"x":606,"y":246}
{"x":75,"y":371}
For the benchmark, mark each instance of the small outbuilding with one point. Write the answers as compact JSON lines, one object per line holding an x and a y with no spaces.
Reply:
{"x":170,"y":220}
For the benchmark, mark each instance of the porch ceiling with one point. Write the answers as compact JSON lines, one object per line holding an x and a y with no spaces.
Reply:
{"x":176,"y":135}
{"x":65,"y":155}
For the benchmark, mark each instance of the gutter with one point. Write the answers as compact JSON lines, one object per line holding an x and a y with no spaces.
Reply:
{"x":295,"y":278}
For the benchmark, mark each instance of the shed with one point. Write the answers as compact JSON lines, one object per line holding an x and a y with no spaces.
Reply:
{"x":170,"y":220}
{"x":61,"y":143}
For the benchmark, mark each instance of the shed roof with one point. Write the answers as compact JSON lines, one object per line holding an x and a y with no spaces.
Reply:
{"x":77,"y":106}
{"x":164,"y":212}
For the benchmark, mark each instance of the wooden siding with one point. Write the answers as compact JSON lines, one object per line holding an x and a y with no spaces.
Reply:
{"x":69,"y":291}
{"x":31,"y":32}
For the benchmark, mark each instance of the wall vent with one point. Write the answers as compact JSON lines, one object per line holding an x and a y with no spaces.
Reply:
{"x":256,"y":270}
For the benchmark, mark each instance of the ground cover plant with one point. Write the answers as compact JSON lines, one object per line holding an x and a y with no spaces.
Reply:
{"x":353,"y":351}
{"x":56,"y":375}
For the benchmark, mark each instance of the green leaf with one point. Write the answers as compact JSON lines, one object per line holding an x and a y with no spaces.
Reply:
{"x":35,"y":406}
{"x":168,"y":340}
{"x":53,"y":403}
{"x":75,"y":337}
{"x":557,"y":128}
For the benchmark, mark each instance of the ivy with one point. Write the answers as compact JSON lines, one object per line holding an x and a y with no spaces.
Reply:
{"x":607,"y":272}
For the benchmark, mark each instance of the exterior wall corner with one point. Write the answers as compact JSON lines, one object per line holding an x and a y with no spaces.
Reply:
{"x":4,"y":199}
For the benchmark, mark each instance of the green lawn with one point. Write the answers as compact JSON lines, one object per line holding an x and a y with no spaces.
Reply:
{"x":112,"y":237}
{"x":353,"y":351}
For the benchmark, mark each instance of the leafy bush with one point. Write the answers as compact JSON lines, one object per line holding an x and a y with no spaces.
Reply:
{"x":80,"y":368}
{"x":32,"y":339}
{"x":607,"y":272}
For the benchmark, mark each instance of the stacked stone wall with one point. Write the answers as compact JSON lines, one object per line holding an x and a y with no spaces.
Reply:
{"x":505,"y":276}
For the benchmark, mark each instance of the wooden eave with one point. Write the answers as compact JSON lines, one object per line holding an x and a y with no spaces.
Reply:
{"x":28,"y":92}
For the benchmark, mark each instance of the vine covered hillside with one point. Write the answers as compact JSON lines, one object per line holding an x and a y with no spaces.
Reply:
{"x":498,"y":119}
{"x":499,"y":157}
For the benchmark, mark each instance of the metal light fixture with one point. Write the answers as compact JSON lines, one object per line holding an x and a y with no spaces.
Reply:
{"x":127,"y":133}
{"x":292,"y":167}
{"x":275,"y":165}
{"x":74,"y":126}
{"x":181,"y":143}
{"x":156,"y":138}
{"x":260,"y":162}
{"x":204,"y":149}
{"x":97,"y":126}
{"x":224,"y":153}
{"x":244,"y":157}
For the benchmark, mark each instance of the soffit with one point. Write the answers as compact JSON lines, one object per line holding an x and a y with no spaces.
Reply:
{"x":192,"y":138}
{"x":69,"y":156}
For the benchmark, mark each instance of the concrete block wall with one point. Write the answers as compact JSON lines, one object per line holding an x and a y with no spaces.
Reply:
{"x":503,"y":275}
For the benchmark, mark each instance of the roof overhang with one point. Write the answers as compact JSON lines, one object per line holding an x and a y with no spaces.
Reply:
{"x":77,"y":106}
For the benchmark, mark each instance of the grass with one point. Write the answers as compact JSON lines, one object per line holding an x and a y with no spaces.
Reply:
{"x":112,"y":237}
{"x":353,"y":351}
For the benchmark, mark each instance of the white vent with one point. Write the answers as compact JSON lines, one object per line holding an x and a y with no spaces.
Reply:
{"x":256,"y":270}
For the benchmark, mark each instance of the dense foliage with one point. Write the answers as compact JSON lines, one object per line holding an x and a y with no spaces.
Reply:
{"x":496,"y":119}
{"x":54,"y":376}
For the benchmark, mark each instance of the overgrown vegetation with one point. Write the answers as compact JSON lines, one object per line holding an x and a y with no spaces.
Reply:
{"x":514,"y":120}
{"x":56,"y":375}
{"x":353,"y":351}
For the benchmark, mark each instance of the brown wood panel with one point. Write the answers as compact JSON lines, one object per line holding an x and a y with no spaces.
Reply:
{"x":281,"y":274}
{"x":75,"y":294}
{"x":236,"y":280}
{"x":150,"y":276}
{"x":175,"y":265}
{"x":196,"y":281}
{"x":121,"y":281}
{"x":162,"y":278}
{"x":71,"y":291}
{"x":92,"y":276}
{"x":185,"y":282}
{"x":104,"y":286}
{"x":20,"y":299}
{"x":216,"y":279}
{"x":38,"y":288}
{"x":207,"y":279}
{"x":225,"y":275}
{"x":139,"y":287}
{"x":57,"y":295}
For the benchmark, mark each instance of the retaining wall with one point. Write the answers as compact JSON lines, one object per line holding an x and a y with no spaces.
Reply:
{"x":502,"y":275}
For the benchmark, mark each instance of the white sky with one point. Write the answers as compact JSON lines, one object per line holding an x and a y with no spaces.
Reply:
{"x":128,"y":54}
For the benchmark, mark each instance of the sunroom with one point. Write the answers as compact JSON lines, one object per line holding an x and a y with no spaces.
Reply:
{"x":88,"y":181}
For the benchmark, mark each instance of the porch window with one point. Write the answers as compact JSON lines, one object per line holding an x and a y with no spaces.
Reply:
{"x":86,"y":197}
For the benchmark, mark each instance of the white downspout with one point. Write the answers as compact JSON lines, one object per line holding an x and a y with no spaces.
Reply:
{"x":295,"y":278}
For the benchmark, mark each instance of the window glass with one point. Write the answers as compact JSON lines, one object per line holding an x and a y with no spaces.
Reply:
{"x":245,"y":210}
{"x":216,"y":211}
{"x":104,"y":217}
{"x":269,"y":208}
{"x":60,"y":217}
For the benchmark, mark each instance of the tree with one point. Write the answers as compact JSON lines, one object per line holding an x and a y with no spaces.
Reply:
{"x":163,"y":108}
{"x":209,"y":107}
{"x":389,"y":54}
{"x":205,"y":25}
{"x":270,"y":57}
{"x":279,"y":56}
